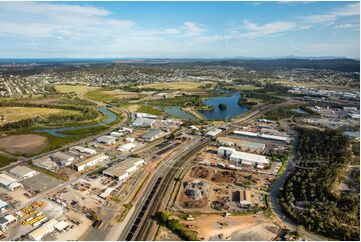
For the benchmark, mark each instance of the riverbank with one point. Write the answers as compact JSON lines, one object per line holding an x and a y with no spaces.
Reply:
{"x":194,"y":113}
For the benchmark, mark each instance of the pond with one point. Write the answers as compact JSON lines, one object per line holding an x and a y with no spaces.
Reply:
{"x":233,"y":108}
{"x":177,"y":112}
{"x":57,"y":132}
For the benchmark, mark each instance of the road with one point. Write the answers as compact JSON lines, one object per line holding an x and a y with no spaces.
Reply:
{"x":139,"y":226}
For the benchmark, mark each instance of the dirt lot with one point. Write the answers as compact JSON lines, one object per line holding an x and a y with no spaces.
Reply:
{"x":216,"y":227}
{"x":23,"y":144}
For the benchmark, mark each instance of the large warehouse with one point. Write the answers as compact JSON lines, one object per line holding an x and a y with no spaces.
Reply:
{"x":244,"y":158}
{"x":22,"y":172}
{"x":124,"y":168}
{"x":242,"y":144}
{"x":92,"y":161}
{"x":9,"y":182}
{"x":277,"y":138}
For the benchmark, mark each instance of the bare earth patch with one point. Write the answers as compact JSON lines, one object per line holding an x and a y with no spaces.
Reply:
{"x":23,"y":144}
{"x":210,"y":227}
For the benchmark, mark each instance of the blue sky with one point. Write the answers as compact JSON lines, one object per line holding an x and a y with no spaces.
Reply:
{"x":178,"y":29}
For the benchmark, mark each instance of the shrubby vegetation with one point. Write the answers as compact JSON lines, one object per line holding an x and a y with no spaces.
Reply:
{"x":176,"y":227}
{"x":310,"y":195}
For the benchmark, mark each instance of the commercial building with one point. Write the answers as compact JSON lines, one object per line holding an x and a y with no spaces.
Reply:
{"x":123,"y":169}
{"x":22,"y":172}
{"x":3,"y":205}
{"x":46,"y":163}
{"x":92,"y":161}
{"x":242,"y":144}
{"x":143,"y":122}
{"x":108,"y":140}
{"x":9,"y":182}
{"x":127,"y":147}
{"x":63,"y":159}
{"x":151,"y":135}
{"x":82,"y":149}
{"x":143,"y":115}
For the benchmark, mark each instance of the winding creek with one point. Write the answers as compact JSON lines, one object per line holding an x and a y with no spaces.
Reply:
{"x":110,"y":117}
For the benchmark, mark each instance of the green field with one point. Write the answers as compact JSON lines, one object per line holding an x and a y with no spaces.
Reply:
{"x":186,"y":86}
{"x":11,"y":114}
{"x":78,"y":89}
{"x":4,"y":161}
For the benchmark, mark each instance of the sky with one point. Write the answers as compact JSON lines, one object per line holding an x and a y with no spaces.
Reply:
{"x":178,"y":29}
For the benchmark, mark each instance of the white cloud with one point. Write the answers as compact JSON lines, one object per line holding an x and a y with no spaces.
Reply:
{"x":348,"y":10}
{"x":347,"y":26}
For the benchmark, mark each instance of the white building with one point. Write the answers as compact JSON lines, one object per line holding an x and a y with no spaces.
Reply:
{"x":108,"y":140}
{"x":116,"y":134}
{"x":3,"y":205}
{"x":244,"y":158}
{"x":225,"y":151}
{"x":46,"y":228}
{"x":127,"y":147}
{"x":242,"y":144}
{"x":82,"y":149}
{"x":213,"y":133}
{"x":7,"y":219}
{"x":62,"y":159}
{"x":92,"y":161}
{"x":144,"y":115}
{"x":9,"y":182}
{"x":130,"y":139}
{"x":262,"y":136}
{"x":22,"y":172}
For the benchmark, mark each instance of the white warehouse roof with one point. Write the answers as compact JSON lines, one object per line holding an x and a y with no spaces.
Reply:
{"x":245,"y":133}
{"x":249,"y":157}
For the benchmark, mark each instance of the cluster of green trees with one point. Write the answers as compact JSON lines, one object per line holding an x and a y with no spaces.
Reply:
{"x":310,"y":195}
{"x":176,"y":227}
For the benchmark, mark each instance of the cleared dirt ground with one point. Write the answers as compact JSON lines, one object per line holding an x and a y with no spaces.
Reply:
{"x":23,"y":144}
{"x":216,"y":227}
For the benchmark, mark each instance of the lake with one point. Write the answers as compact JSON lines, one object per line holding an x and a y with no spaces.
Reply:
{"x":57,"y":132}
{"x":233,"y":108}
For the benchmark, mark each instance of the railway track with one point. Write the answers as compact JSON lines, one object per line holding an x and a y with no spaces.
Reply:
{"x":142,"y":225}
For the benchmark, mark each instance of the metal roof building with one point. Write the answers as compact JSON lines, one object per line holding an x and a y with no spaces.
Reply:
{"x":9,"y":182}
{"x":123,"y":169}
{"x":143,"y":122}
{"x":23,"y":172}
{"x":248,"y":158}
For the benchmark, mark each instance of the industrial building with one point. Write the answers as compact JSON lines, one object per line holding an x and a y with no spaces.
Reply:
{"x":3,"y":205}
{"x":7,"y":219}
{"x":262,"y":136}
{"x":9,"y":182}
{"x":143,"y":115}
{"x":151,"y":135}
{"x":225,"y":151}
{"x":82,"y":149}
{"x":116,"y":134}
{"x":143,"y":122}
{"x":22,"y":172}
{"x":46,"y":228}
{"x":46,"y":163}
{"x":63,"y":159}
{"x":127,"y":147}
{"x":108,"y":140}
{"x":249,"y":159}
{"x":92,"y":161}
{"x":213,"y":133}
{"x":242,"y":144}
{"x":123,"y":169}
{"x":243,"y":158}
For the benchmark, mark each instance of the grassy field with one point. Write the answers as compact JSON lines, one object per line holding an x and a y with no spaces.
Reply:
{"x":246,"y":87}
{"x":149,"y":109}
{"x":99,"y":95}
{"x":78,"y":89}
{"x":4,"y":161}
{"x":186,"y":85}
{"x":12,"y":114}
